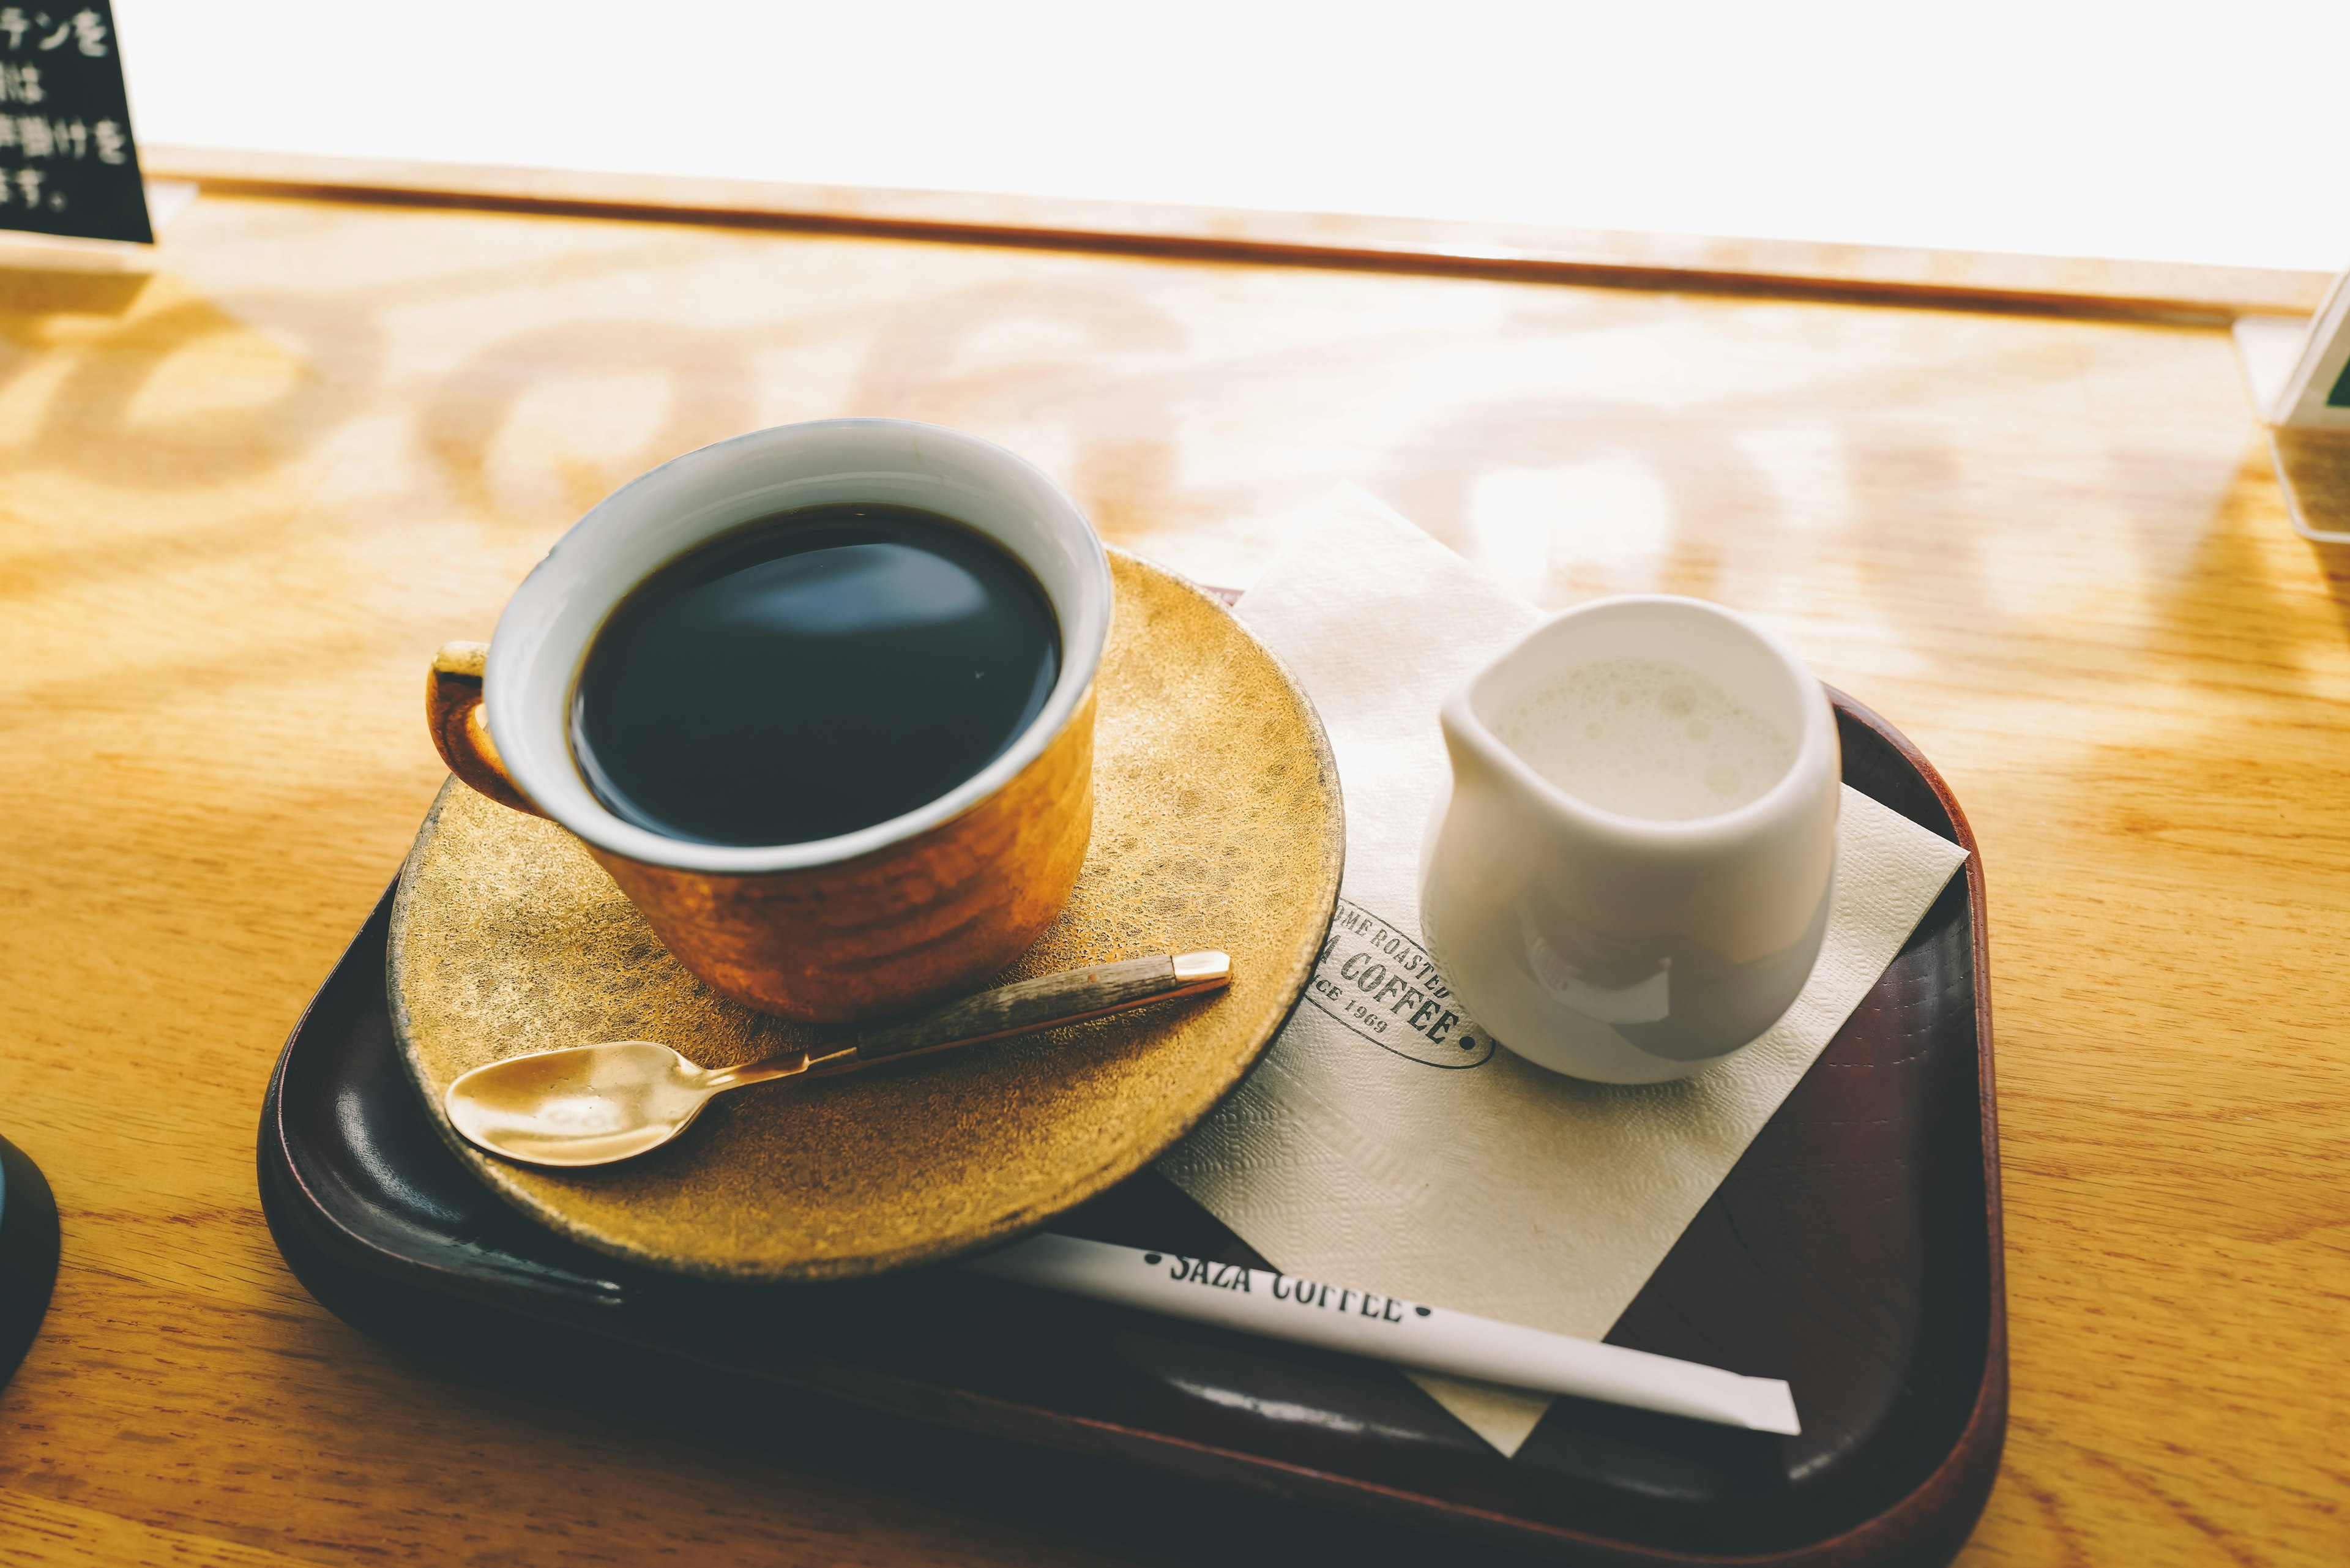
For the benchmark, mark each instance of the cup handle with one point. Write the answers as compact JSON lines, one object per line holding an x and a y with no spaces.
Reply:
{"x":452,"y":707}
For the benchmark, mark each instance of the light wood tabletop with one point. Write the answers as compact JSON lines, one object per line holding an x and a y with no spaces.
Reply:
{"x":246,"y":500}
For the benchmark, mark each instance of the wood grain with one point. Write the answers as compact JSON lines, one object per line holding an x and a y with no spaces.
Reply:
{"x":44,"y":1534}
{"x":247,"y":500}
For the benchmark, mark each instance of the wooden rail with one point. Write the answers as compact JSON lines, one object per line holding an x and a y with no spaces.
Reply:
{"x":1589,"y":257}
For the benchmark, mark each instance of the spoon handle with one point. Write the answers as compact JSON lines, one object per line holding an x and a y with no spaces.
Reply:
{"x":1045,"y":1003}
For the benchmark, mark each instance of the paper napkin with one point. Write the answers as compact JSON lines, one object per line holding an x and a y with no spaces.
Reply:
{"x":1496,"y":1187}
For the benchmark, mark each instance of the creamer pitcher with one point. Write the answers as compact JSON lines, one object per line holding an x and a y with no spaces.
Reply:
{"x":1628,"y":878}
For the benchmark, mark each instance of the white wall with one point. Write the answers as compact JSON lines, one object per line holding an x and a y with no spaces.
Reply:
{"x":2156,"y":129}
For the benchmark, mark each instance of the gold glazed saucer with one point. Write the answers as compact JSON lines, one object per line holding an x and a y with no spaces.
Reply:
{"x":1216,"y":824}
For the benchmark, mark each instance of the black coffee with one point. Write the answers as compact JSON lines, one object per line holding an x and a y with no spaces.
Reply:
{"x":811,"y":674}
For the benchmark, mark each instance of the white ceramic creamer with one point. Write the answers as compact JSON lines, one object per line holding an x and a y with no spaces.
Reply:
{"x":1628,"y":877}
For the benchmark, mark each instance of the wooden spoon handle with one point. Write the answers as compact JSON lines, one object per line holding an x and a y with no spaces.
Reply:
{"x":1045,"y":1003}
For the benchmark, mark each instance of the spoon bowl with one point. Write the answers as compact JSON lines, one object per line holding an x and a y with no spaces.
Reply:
{"x":589,"y":1105}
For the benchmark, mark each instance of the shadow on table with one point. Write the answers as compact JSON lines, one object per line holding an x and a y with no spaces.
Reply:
{"x":34,"y":291}
{"x":2333,"y":566}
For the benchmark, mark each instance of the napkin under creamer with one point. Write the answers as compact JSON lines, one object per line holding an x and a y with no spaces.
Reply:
{"x":1501,"y":1190}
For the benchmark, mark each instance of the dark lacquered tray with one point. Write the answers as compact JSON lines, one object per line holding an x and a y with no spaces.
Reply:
{"x":1853,"y":1250}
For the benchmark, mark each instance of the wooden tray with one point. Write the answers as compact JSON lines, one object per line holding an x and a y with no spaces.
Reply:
{"x":1853,"y":1250}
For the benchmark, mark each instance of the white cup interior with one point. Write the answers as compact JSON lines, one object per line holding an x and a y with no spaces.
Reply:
{"x":545,"y":633}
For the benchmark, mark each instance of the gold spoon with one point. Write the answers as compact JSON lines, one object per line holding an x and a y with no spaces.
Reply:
{"x":592,"y":1104}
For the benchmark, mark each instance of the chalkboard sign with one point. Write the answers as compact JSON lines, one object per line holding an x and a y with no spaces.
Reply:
{"x":2317,"y":394}
{"x":66,"y":164}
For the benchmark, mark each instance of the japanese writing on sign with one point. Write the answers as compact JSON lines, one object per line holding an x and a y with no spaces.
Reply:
{"x":67,"y":164}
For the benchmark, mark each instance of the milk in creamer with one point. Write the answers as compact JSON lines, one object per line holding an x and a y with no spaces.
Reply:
{"x":1645,"y":737}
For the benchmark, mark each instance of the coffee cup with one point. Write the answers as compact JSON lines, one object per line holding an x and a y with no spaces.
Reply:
{"x":1628,"y":877}
{"x":862,"y":923}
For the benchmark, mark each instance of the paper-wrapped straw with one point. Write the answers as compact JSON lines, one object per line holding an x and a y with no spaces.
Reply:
{"x":1364,"y":1322}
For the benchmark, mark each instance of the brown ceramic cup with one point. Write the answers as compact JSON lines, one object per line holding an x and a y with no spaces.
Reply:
{"x":872,"y":922}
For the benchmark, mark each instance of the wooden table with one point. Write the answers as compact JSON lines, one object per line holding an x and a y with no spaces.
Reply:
{"x":245,"y":500}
